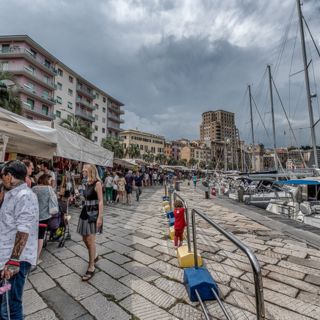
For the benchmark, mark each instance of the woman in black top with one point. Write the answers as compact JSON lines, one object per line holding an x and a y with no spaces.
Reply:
{"x":90,"y":221}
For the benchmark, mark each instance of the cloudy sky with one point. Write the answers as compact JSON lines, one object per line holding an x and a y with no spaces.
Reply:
{"x":169,"y":61}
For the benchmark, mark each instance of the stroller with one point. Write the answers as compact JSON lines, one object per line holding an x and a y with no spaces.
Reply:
{"x":58,"y":226}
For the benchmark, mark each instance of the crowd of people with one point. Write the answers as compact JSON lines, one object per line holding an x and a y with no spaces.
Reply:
{"x":28,"y":203}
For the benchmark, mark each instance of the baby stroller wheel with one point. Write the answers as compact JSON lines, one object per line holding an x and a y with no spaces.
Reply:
{"x":69,"y":236}
{"x":62,"y":243}
{"x":45,"y":242}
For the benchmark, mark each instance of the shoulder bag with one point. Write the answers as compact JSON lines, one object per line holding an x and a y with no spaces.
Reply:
{"x":53,"y":202}
{"x":92,"y":215}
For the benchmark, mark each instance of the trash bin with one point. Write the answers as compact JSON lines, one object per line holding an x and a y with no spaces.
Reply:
{"x":177,"y":185}
{"x":213,"y":191}
{"x":240,"y":195}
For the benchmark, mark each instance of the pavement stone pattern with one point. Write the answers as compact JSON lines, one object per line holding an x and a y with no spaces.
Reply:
{"x":138,"y":274}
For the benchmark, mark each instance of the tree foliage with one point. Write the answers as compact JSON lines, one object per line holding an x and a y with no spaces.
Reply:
{"x":192,"y":162}
{"x":172,"y":161}
{"x":148,"y":156}
{"x":183,"y":162}
{"x":202,"y":164}
{"x":76,"y":125}
{"x":9,"y":94}
{"x":161,"y":158}
{"x":133,"y":151}
{"x":113,"y":144}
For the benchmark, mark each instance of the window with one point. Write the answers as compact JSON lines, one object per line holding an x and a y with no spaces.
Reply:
{"x":88,"y":90}
{"x":5,"y":48}
{"x":95,"y":139}
{"x":46,"y":94}
{"x":33,"y":53}
{"x":97,"y":95}
{"x":104,"y":99}
{"x":59,"y":86}
{"x":31,"y":85}
{"x":79,"y":97}
{"x":47,"y":63}
{"x":103,"y":130}
{"x":70,"y":105}
{"x":69,"y":117}
{"x":97,"y":117}
{"x":141,"y":147}
{"x":116,"y":135}
{"x":70,"y":79}
{"x":104,"y":110}
{"x":96,"y":128}
{"x":33,"y":70}
{"x":46,"y":79}
{"x":80,"y":85}
{"x":58,"y":114}
{"x":146,"y":148}
{"x":103,"y":120}
{"x":88,"y":102}
{"x":31,"y":103}
{"x":59,"y":100}
{"x":60,"y":72}
{"x":29,"y":117}
{"x":70,"y":92}
{"x":45,"y":110}
{"x":97,"y":106}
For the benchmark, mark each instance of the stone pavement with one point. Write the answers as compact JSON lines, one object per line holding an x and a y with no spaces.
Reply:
{"x":138,"y":275}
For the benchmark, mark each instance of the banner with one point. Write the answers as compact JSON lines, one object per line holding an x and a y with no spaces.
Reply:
{"x":3,"y":143}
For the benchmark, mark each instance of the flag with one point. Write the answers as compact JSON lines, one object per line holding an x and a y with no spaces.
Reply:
{"x":284,"y":133}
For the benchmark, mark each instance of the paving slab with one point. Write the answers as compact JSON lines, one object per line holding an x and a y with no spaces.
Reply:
{"x":141,"y":271}
{"x":141,"y":257}
{"x":45,"y":314}
{"x":111,"y":268}
{"x":32,"y":302}
{"x":41,"y":281}
{"x":117,"y":258}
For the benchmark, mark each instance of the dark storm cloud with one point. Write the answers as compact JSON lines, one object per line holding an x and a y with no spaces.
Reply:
{"x":171,"y":60}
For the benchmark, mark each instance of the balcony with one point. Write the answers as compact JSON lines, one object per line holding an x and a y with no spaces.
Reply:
{"x":115,"y":108}
{"x":37,"y":94}
{"x":110,"y":116}
{"x":85,"y":115}
{"x":17,"y":52}
{"x":112,"y":126}
{"x":24,"y":70}
{"x":112,"y":136}
{"x":85,"y":104}
{"x":85,"y":92}
{"x":38,"y":111}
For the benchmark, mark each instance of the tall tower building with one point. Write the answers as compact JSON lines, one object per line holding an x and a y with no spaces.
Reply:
{"x":218,"y":131}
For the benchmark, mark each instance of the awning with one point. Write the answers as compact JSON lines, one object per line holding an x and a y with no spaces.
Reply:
{"x":27,"y":136}
{"x":299,"y":182}
{"x":73,"y":146}
{"x":124,"y":163}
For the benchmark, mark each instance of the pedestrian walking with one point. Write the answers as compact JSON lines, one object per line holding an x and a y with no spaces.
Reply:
{"x":150,"y":178}
{"x":129,"y":185}
{"x":121,"y":183}
{"x":108,"y":186}
{"x":161,"y":178}
{"x":30,"y":168}
{"x":179,"y":223}
{"x":46,"y":197}
{"x":18,"y":236}
{"x":154,"y":177}
{"x":146,"y":178}
{"x":90,"y":220}
{"x":194,"y":181}
{"x":115,"y":187}
{"x":138,"y":184}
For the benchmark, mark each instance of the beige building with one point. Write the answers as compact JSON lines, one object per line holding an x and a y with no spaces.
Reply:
{"x":199,"y":153}
{"x":145,"y":141}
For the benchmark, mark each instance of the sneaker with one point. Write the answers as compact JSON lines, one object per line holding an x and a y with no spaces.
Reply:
{"x":33,"y":268}
{"x":130,"y":203}
{"x":80,"y":207}
{"x":175,"y":247}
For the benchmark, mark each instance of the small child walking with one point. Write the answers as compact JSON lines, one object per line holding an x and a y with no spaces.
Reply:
{"x":179,"y":223}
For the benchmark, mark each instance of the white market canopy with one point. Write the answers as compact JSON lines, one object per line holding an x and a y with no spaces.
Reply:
{"x":180,"y":168}
{"x":39,"y":139}
{"x":27,"y":136}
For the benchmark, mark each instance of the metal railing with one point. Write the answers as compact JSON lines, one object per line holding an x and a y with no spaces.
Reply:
{"x":86,"y":115}
{"x":115,"y":108}
{"x":38,"y":111}
{"x":258,"y":285}
{"x":111,"y":126}
{"x":175,"y":195}
{"x":84,"y":90}
{"x":37,"y":93}
{"x":85,"y":103}
{"x":110,"y":116}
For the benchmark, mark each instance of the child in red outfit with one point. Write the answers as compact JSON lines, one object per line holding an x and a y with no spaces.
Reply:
{"x":179,"y":223}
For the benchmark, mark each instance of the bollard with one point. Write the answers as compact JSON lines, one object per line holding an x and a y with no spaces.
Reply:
{"x":206,"y":195}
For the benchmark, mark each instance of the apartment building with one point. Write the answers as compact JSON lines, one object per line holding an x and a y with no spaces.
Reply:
{"x":217,"y":128}
{"x":168,"y":149}
{"x":145,"y":141}
{"x":50,"y":90}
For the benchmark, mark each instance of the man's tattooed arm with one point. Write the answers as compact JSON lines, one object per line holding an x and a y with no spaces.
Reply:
{"x":20,"y":243}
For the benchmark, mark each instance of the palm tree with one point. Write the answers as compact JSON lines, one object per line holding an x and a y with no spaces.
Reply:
{"x":74,"y":124}
{"x":161,"y":158}
{"x":202,"y":164}
{"x":212,"y":165}
{"x":192,"y":162}
{"x":113,"y":144}
{"x":172,"y":161}
{"x":9,"y":94}
{"x":148,"y":156}
{"x":133,"y":151}
{"x":183,"y":162}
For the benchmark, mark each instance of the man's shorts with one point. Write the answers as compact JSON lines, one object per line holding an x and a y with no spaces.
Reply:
{"x":129,"y":189}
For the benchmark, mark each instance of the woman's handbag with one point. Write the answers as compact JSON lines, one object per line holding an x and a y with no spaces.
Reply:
{"x":53,"y":202}
{"x":92,"y":215}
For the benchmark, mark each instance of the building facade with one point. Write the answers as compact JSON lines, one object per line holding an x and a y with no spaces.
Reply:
{"x":50,"y":90}
{"x":199,"y":153}
{"x":145,"y":141}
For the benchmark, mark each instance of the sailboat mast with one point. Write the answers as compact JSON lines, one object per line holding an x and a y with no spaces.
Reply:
{"x":306,"y":74}
{"x":272,"y":117}
{"x":252,"y":134}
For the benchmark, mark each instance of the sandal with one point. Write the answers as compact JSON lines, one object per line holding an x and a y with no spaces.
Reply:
{"x":96,"y":259}
{"x":88,"y":275}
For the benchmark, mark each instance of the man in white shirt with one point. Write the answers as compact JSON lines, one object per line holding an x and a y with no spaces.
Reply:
{"x":19,"y":223}
{"x":155,"y":177}
{"x":115,"y":187}
{"x":44,"y":167}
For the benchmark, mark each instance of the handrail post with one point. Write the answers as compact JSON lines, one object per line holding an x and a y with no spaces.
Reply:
{"x":194,"y":235}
